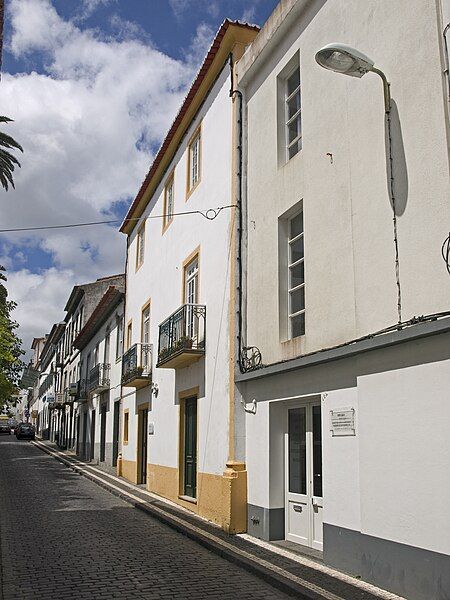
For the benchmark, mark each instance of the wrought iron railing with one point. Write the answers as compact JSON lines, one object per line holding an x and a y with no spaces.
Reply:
{"x":99,"y":377}
{"x":137,"y":363}
{"x":184,"y":330}
{"x":46,"y":384}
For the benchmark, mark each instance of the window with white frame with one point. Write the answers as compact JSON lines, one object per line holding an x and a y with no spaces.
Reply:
{"x":140,"y":246}
{"x":296,"y":276}
{"x":194,"y":157}
{"x":293,"y":113}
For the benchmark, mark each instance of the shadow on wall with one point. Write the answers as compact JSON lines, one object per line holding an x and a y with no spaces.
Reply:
{"x":399,"y":168}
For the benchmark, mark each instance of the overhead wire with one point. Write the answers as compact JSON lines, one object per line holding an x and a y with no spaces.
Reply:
{"x":210,"y":214}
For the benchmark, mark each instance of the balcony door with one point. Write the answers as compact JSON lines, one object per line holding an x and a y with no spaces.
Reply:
{"x":145,"y":339}
{"x":191,"y":297}
{"x":304,"y":498}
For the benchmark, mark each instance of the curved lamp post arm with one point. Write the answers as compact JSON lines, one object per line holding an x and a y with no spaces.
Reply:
{"x":386,"y":89}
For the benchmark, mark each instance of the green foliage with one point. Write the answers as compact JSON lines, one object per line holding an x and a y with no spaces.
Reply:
{"x":11,"y":365}
{"x":8,"y":161}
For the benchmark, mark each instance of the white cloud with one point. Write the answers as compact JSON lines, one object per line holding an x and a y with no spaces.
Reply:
{"x":86,"y":124}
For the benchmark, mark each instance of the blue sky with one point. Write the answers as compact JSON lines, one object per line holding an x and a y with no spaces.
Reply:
{"x":92,"y":86}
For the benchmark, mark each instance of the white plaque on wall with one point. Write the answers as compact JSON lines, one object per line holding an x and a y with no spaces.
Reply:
{"x":342,"y":422}
{"x":151,"y":429}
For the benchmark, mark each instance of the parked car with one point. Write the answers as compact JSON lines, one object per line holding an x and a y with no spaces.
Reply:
{"x":5,"y":427}
{"x":25,"y":431}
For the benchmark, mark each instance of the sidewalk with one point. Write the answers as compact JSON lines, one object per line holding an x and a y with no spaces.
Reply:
{"x":297,"y":575}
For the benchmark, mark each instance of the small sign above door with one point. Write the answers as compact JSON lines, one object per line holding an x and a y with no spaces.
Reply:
{"x":342,"y":422}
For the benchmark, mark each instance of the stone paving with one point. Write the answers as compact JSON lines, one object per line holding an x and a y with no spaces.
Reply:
{"x":64,"y":537}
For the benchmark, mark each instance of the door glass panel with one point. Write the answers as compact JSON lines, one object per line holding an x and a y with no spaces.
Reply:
{"x":317,"y":452}
{"x":297,"y":450}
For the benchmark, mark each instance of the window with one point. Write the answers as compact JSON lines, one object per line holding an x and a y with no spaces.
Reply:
{"x":169,"y":201}
{"x":95,"y":358}
{"x":119,"y":339}
{"x":140,"y":246}
{"x":293,"y":114}
{"x":296,"y":276}
{"x":194,"y":158}
{"x":129,"y":334}
{"x":126,"y":422}
{"x":106,"y":348}
{"x":191,"y":282}
{"x":191,"y":297}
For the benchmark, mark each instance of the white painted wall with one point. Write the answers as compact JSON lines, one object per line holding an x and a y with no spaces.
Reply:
{"x":115,"y":373}
{"x":160,"y":279}
{"x":349,"y":250}
{"x":341,"y":464}
{"x":404,"y":442}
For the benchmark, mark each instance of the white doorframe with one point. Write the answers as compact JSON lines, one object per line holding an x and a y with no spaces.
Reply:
{"x":303,"y":509}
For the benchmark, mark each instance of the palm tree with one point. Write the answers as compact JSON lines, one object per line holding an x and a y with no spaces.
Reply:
{"x":8,"y":161}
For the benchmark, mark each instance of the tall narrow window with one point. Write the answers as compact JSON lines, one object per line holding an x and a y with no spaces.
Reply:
{"x":119,"y":339}
{"x":145,"y":338}
{"x":106,"y":349}
{"x":191,"y":297}
{"x":129,"y":334}
{"x":169,"y":201}
{"x":140,"y":246}
{"x":296,"y":277}
{"x":194,"y":158}
{"x":95,"y":359}
{"x":293,"y":112}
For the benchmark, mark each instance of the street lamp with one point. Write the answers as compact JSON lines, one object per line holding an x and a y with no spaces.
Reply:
{"x":346,"y":60}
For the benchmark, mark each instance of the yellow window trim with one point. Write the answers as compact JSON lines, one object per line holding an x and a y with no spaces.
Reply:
{"x":195,"y":254}
{"x":170,"y":180}
{"x":126,"y":420}
{"x":190,"y":190}
{"x":140,"y":259}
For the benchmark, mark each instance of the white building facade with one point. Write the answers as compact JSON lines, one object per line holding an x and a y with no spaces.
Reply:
{"x":179,"y":435}
{"x":347,"y":415}
{"x":100,"y":344}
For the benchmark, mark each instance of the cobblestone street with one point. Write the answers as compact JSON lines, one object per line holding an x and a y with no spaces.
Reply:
{"x":63,"y":536}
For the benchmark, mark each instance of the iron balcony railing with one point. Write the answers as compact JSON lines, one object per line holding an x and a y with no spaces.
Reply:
{"x":99,"y":377}
{"x":137,"y":363}
{"x":183,"y":331}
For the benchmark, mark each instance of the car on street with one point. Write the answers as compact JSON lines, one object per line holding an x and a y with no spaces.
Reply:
{"x":25,"y":431}
{"x":5,"y":426}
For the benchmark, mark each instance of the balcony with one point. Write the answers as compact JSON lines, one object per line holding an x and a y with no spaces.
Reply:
{"x":99,"y":378}
{"x":182,"y":337}
{"x":137,"y":366}
{"x":82,"y":391}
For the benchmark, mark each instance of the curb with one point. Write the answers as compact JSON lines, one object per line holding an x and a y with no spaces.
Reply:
{"x":272,"y":574}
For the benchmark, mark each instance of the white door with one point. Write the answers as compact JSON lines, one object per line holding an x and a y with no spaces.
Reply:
{"x":304,"y":501}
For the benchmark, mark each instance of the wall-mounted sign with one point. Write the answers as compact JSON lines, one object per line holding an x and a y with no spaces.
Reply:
{"x":151,"y":428}
{"x":342,"y":422}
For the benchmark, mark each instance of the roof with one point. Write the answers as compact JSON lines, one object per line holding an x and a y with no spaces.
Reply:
{"x":229,"y":34}
{"x":112,"y":297}
{"x":49,"y":346}
{"x":78,"y":291}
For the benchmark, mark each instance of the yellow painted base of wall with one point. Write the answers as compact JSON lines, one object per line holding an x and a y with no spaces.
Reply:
{"x":129,"y":470}
{"x":221,"y":499}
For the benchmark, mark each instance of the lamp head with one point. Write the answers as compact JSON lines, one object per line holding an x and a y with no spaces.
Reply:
{"x":344,"y":59}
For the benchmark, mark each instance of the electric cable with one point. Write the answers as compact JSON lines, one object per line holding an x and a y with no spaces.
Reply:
{"x":445,"y":251}
{"x":210,"y":214}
